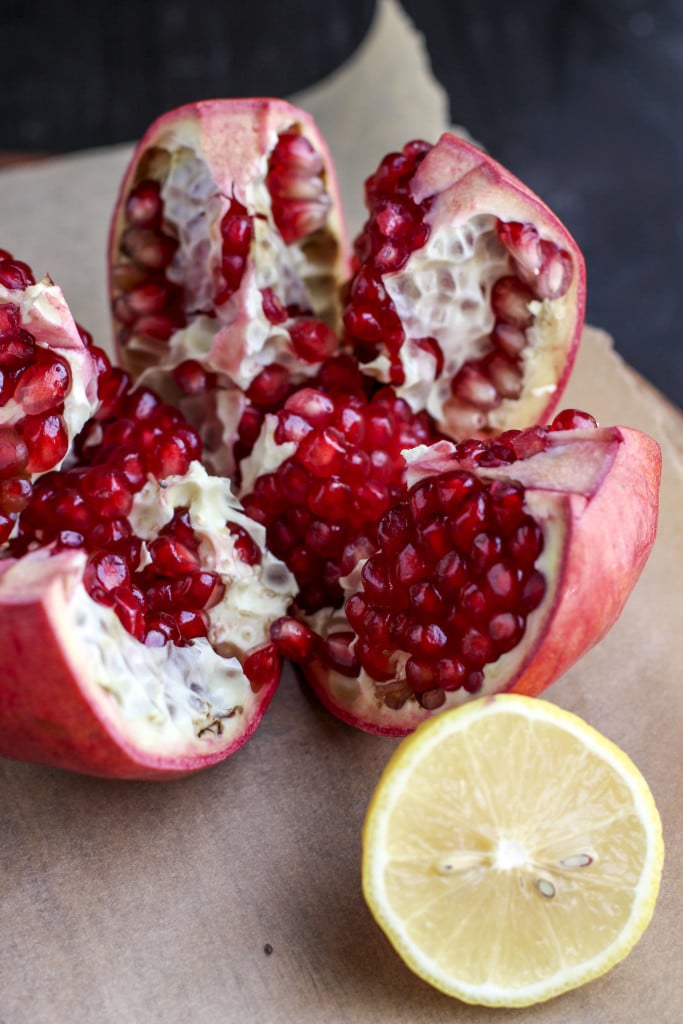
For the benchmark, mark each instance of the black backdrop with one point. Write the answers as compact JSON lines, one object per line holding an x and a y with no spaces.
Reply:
{"x":583,"y":99}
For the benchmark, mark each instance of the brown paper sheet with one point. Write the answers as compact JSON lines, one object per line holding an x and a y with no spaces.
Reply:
{"x":234,"y":896}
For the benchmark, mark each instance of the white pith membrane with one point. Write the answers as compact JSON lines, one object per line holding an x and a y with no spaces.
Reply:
{"x":514,"y":865}
{"x":169,"y":697}
{"x":45,"y":315}
{"x":444,"y":292}
{"x":301,"y":274}
{"x":575,"y":462}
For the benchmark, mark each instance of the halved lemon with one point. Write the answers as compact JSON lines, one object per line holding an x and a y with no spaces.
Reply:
{"x":511,"y":852}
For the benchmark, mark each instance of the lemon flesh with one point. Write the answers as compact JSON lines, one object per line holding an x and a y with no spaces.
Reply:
{"x":511,"y":852}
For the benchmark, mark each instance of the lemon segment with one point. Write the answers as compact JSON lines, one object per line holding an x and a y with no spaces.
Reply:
{"x":511,"y":852}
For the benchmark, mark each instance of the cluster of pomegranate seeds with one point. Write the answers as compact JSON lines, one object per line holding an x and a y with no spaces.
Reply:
{"x":34,"y":383}
{"x":237,"y":233}
{"x":540,"y":269}
{"x":395,"y":228}
{"x":147,"y":303}
{"x":453,"y":578}
{"x":321,"y":506}
{"x":133,"y":437}
{"x":296,"y":183}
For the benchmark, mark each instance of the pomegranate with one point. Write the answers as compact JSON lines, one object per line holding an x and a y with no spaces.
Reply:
{"x":469,"y":294}
{"x":227,"y":251}
{"x":135,"y":594}
{"x":47,"y":384}
{"x":500,"y":564}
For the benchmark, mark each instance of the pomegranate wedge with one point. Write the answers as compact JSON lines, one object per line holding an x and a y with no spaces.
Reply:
{"x":135,"y":594}
{"x":227,"y":251}
{"x":502,"y":564}
{"x":470,"y":294}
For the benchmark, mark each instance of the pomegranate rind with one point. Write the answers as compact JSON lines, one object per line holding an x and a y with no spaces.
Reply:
{"x":53,"y":710}
{"x":232,"y":139}
{"x":464,"y":185}
{"x":597,"y":546}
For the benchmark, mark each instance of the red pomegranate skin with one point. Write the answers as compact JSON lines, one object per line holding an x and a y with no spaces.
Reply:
{"x":53,"y":713}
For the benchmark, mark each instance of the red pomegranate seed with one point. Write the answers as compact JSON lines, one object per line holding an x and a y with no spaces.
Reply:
{"x":510,"y":300}
{"x":43,"y":386}
{"x":312,"y":340}
{"x":245,"y":546}
{"x":15,"y":493}
{"x":16,"y":350}
{"x":129,"y":605}
{"x":148,"y":247}
{"x":556,"y":272}
{"x":144,"y":205}
{"x":104,"y":573}
{"x":170,"y":557}
{"x":191,"y":624}
{"x":107,"y":492}
{"x":15,"y":275}
{"x":193,"y":379}
{"x":270,"y":387}
{"x":339,"y":654}
{"x":573,"y":419}
{"x":262,"y":667}
{"x":293,"y":639}
{"x":273,"y":309}
{"x":14,"y":452}
{"x":160,"y":630}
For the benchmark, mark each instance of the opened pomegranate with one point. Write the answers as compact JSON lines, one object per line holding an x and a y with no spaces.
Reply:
{"x":469,"y":295}
{"x":502,"y":562}
{"x":135,"y":598}
{"x":227,"y":252}
{"x":47,"y":384}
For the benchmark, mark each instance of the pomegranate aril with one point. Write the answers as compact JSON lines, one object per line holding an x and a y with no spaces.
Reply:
{"x":170,"y":557}
{"x":129,"y":605}
{"x":472,"y":385}
{"x":505,"y":375}
{"x":421,"y":675}
{"x":192,"y":378}
{"x":293,"y":639}
{"x":510,"y":300}
{"x":533,"y":592}
{"x":191,"y":624}
{"x":450,"y":673}
{"x":43,"y":385}
{"x":203,"y":589}
{"x":15,"y":493}
{"x":378,"y":664}
{"x":555,"y":273}
{"x":149,"y":248}
{"x":104,"y":573}
{"x":107,"y":492}
{"x":160,"y":630}
{"x":263,"y":667}
{"x":144,"y":205}
{"x":338,"y":652}
{"x":509,"y":339}
{"x":270,"y":387}
{"x":7,"y":522}
{"x":245,"y":546}
{"x":312,"y":340}
{"x":526,"y":543}
{"x":472,"y":518}
{"x":159,"y":326}
{"x":14,"y":452}
{"x":573,"y":419}
{"x":476,"y":648}
{"x":322,"y":452}
{"x":15,"y":275}
{"x":506,"y":630}
{"x":16,"y":350}
{"x":47,"y":438}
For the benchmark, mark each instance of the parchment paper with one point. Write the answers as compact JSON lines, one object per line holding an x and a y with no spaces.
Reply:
{"x":234,"y":896}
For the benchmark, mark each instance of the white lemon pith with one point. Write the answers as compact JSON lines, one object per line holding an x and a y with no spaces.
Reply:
{"x":511,"y":852}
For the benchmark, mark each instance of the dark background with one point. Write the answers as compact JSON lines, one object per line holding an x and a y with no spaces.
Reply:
{"x":582,"y":99}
